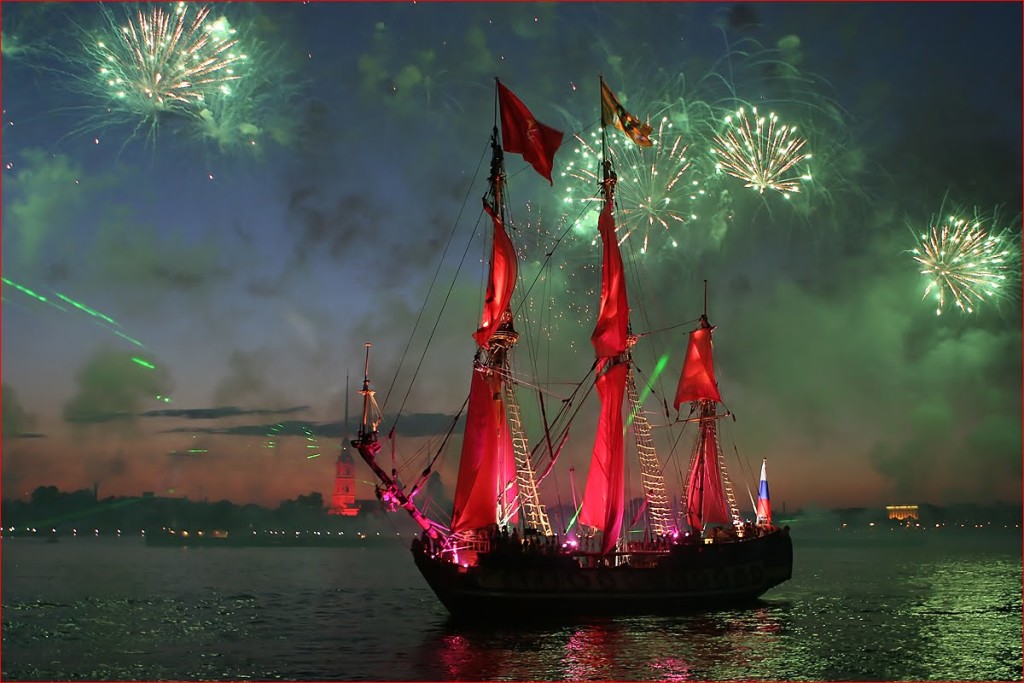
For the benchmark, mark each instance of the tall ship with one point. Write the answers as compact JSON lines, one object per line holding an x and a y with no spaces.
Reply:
{"x":502,"y":553}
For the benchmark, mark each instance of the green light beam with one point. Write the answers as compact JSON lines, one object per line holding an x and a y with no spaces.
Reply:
{"x":29,"y":292}
{"x":86,"y":309}
{"x":658,"y":368}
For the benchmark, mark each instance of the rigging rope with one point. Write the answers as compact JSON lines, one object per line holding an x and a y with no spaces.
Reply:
{"x":426,"y":299}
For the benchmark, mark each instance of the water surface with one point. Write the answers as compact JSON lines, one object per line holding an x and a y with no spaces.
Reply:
{"x":903,"y":605}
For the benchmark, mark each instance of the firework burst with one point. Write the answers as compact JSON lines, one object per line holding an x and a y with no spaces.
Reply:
{"x":763,"y":154}
{"x":652,"y":194}
{"x":966,"y":262}
{"x":167,"y":61}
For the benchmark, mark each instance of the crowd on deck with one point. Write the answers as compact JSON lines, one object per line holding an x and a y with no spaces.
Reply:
{"x":500,"y":539}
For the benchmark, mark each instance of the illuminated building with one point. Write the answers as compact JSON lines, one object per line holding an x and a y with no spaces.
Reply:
{"x":343,"y":502}
{"x":902,"y":512}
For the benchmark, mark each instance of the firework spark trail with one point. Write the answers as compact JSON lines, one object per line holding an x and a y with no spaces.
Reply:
{"x":159,"y":64}
{"x":762,"y":155}
{"x":650,"y":192}
{"x":281,"y":430}
{"x":964,"y":261}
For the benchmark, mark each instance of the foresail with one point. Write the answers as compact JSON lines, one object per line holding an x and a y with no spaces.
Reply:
{"x":478,"y":487}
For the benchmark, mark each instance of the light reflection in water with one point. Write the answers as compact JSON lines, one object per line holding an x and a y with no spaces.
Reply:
{"x":591,"y":651}
{"x":713,"y":646}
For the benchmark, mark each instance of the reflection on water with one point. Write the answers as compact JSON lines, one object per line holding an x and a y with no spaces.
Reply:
{"x":723,"y":645}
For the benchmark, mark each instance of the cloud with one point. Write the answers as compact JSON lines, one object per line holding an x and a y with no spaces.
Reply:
{"x":44,"y":196}
{"x":412,"y":425}
{"x":112,"y":387}
{"x":245,"y":381}
{"x":142,"y":264}
{"x":17,"y":421}
{"x":333,"y":230}
{"x":865,"y":370}
{"x":221,"y":412}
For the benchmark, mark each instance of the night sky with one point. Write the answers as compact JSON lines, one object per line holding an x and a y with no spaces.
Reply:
{"x":245,"y":253}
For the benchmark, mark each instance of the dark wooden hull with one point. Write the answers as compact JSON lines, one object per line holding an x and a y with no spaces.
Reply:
{"x":685,"y":578}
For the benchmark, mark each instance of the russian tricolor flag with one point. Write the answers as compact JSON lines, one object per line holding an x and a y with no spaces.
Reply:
{"x":764,"y":502}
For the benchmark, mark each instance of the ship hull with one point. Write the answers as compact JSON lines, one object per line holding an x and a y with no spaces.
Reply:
{"x":683,"y":579}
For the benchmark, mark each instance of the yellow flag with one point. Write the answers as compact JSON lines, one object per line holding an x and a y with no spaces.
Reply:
{"x":612,"y":113}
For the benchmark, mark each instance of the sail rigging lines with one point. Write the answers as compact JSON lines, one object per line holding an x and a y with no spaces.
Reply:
{"x":426,"y":300}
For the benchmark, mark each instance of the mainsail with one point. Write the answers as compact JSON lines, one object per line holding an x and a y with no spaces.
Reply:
{"x":604,"y":496}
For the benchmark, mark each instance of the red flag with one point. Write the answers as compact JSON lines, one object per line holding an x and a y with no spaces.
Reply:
{"x":614,"y":114}
{"x":504,"y":269}
{"x":523,"y":134}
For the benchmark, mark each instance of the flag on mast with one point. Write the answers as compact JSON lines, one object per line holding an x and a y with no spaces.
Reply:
{"x":614,"y":114}
{"x":522,"y":134}
{"x":764,"y":504}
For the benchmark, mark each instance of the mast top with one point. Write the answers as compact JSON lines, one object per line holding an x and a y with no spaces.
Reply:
{"x":704,"y":316}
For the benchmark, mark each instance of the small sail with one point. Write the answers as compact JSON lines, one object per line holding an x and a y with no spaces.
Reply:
{"x":705,"y":495}
{"x":501,"y":281}
{"x":764,"y":503}
{"x":479,"y":487}
{"x":697,"y":381}
{"x":604,"y":496}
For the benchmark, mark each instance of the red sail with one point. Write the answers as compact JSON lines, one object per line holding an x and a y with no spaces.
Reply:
{"x":603,"y":499}
{"x":478,"y":485}
{"x":501,"y":280}
{"x":697,"y":381}
{"x":705,"y":497}
{"x":609,"y":336}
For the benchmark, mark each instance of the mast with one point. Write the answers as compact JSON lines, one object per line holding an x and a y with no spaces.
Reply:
{"x":709,"y":494}
{"x":389,"y":491}
{"x":495,"y":473}
{"x":486,"y":488}
{"x":501,"y":345}
{"x":604,"y":495}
